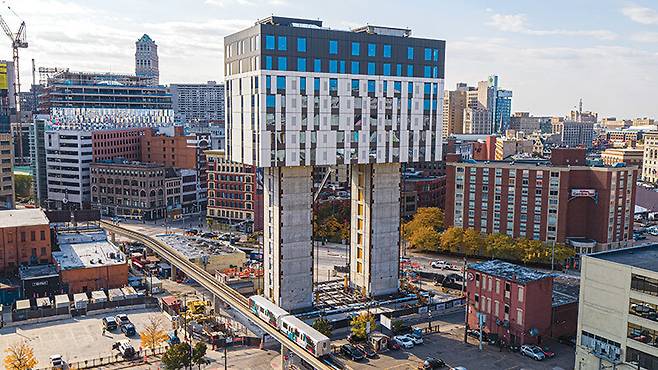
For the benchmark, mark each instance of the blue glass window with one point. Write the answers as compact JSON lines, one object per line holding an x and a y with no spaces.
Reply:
{"x":317,"y":65}
{"x":301,"y":44}
{"x":435,"y":72}
{"x":283,"y":43}
{"x":355,"y":85}
{"x":410,"y":88}
{"x":436,"y":55}
{"x":269,"y":42}
{"x":371,"y":86}
{"x":280,"y":82}
{"x":387,"y":51}
{"x":333,"y":84}
{"x":301,"y":64}
{"x":427,"y":71}
{"x":410,"y":53}
{"x":270,"y":101}
{"x":268,"y":82}
{"x":410,"y":70}
{"x":397,"y":87}
{"x":333,"y":47}
{"x":385,"y":86}
{"x":435,"y":87}
{"x":316,"y":84}
{"x":371,"y":68}
{"x":302,"y":83}
{"x":387,"y":69}
{"x":333,"y":66}
{"x":282,"y":63}
{"x":342,"y":66}
{"x":372,"y":50}
{"x":398,"y":70}
{"x":428,"y":54}
{"x":356,"y":49}
{"x":427,"y":88}
{"x":268,"y":62}
{"x":434,"y":104}
{"x":355,"y":68}
{"x":426,"y":104}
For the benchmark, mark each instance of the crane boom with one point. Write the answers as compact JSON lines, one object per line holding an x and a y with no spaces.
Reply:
{"x":5,"y":28}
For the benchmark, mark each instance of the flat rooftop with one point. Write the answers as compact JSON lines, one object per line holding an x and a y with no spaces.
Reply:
{"x":509,"y":271}
{"x":644,"y":256}
{"x":566,"y":289}
{"x":23,"y":217}
{"x":196,"y":247}
{"x":37,"y":272}
{"x":86,"y":250}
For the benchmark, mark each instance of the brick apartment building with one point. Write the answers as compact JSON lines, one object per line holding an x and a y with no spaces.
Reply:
{"x":234,"y":193}
{"x":519,"y":305}
{"x":559,"y":200}
{"x":110,"y":144}
{"x":24,"y":239}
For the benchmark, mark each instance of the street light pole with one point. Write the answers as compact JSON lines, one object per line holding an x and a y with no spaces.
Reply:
{"x":465,"y":302}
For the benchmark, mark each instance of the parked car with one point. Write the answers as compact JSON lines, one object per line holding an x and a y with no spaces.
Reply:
{"x":404,"y":341}
{"x":439,"y":264}
{"x":128,"y":329}
{"x":474,"y":333}
{"x":109,"y":323}
{"x":352,"y":352}
{"x":533,"y":352}
{"x":547,"y":352}
{"x":125,"y":349}
{"x":642,"y":308}
{"x":431,"y":363}
{"x":415,"y":337}
{"x":122,"y":319}
{"x":57,"y":362}
{"x":393,"y":345}
{"x":208,"y":235}
{"x":368,"y":351}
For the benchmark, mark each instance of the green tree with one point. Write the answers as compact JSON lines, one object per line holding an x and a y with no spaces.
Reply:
{"x":177,"y":356}
{"x":498,"y":245}
{"x":397,"y":326}
{"x":198,"y":354}
{"x":562,"y":252}
{"x":425,"y":238}
{"x":473,"y":241}
{"x":323,"y":326}
{"x":359,"y":324}
{"x":23,"y":185}
{"x":431,"y":217}
{"x":452,"y":239}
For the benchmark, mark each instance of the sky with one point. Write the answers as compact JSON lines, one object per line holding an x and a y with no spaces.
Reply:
{"x":549,"y":53}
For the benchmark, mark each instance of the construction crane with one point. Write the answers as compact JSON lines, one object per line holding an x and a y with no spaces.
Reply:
{"x":18,"y":41}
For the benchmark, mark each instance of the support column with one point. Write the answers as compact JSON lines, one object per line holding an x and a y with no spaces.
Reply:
{"x":287,"y":232}
{"x":174,"y":270}
{"x":375,"y":234}
{"x":113,"y":237}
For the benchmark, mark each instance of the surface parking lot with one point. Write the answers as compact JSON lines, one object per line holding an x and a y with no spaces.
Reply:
{"x":76,"y":339}
{"x":451,"y":348}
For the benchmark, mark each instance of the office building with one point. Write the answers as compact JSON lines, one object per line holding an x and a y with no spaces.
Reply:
{"x":7,"y":190}
{"x":650,"y":158}
{"x":109,"y":144}
{"x":562,"y":200}
{"x":129,"y":190}
{"x":68,"y":156}
{"x":216,"y":132}
{"x":7,"y":95}
{"x":235,"y":193}
{"x":87,"y":261}
{"x":524,"y":122}
{"x":173,"y":194}
{"x":518,"y":305}
{"x":476,"y":121}
{"x":612,"y":123}
{"x":628,"y":156}
{"x":503,"y":112}
{"x":624,"y":138}
{"x":419,"y":190}
{"x":617,"y":325}
{"x":198,"y":103}
{"x":38,"y":159}
{"x":24,"y":239}
{"x":146,"y":60}
{"x":300,"y":95}
{"x":576,"y":134}
{"x":508,"y":147}
{"x":453,"y":111}
{"x":644,"y":121}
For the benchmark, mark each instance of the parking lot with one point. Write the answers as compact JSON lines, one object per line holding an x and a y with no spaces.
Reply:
{"x":451,"y":348}
{"x":75,"y":339}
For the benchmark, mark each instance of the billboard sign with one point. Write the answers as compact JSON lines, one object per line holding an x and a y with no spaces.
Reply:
{"x":583,"y":193}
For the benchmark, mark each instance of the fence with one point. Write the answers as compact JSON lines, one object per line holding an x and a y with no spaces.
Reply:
{"x":113,"y":359}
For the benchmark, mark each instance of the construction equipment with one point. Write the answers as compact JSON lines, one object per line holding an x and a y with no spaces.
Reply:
{"x":18,"y":41}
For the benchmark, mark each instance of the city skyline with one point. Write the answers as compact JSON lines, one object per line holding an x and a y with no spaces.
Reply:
{"x":548,"y":59}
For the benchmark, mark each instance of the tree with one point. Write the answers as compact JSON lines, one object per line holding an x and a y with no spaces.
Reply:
{"x":498,"y":245}
{"x":177,"y":356}
{"x":425,"y":217}
{"x":20,"y":356}
{"x":397,"y":326}
{"x":199,"y":353}
{"x":23,"y":185}
{"x":153,"y":335}
{"x":562,"y":252}
{"x":360,"y":323}
{"x":452,"y":239}
{"x":529,"y":250}
{"x":425,"y":238}
{"x":473,"y":241}
{"x":323,"y":326}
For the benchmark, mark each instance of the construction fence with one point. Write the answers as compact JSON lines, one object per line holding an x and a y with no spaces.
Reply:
{"x":111,"y":359}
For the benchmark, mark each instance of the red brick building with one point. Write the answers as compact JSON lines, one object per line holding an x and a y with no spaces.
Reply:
{"x":24,"y":239}
{"x":559,"y":200}
{"x":517,"y":304}
{"x":110,"y":144}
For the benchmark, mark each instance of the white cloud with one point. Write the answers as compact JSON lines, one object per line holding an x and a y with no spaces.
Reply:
{"x":641,"y":14}
{"x":226,"y":3}
{"x":519,"y":23}
{"x":648,"y":37}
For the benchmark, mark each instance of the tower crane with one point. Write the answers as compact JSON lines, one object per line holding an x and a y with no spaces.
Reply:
{"x":18,"y":41}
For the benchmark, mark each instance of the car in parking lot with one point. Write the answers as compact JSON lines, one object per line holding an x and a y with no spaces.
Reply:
{"x":415,"y":337}
{"x":367,"y":350}
{"x":403,"y":341}
{"x":126,"y":350}
{"x":122,"y":319}
{"x":534,"y":352}
{"x":431,"y":363}
{"x":109,"y":323}
{"x":128,"y":329}
{"x":57,"y":362}
{"x":439,"y":264}
{"x":352,"y":352}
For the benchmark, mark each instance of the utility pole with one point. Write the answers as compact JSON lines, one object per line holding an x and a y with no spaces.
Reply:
{"x":225,"y":358}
